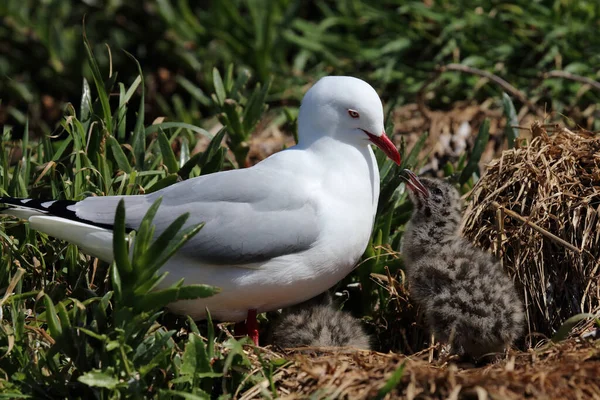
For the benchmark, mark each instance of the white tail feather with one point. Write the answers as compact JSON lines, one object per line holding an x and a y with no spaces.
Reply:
{"x":95,"y":241}
{"x":23,"y":213}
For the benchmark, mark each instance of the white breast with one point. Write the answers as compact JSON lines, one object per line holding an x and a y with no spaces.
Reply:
{"x":347,"y":198}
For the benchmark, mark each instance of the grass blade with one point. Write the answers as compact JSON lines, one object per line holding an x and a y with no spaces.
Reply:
{"x":120,"y":246}
{"x":138,"y":140}
{"x":478,"y":148}
{"x":119,"y":155}
{"x":391,"y":383}
{"x":219,"y":88}
{"x":563,"y":332}
{"x":512,"y":134}
{"x":54,"y":324}
{"x":170,"y":125}
{"x":99,"y":83}
{"x":167,"y":152}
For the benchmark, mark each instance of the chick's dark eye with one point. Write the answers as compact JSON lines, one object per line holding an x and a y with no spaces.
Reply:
{"x":353,"y":113}
{"x":436,"y":191}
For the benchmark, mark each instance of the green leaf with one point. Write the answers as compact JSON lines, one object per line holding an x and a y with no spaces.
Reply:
{"x":138,"y":140}
{"x":233,"y":120}
{"x":101,"y":338}
{"x":210,"y":336}
{"x":255,"y":106}
{"x":195,"y":359}
{"x":54,"y":324}
{"x":563,"y":332}
{"x":119,"y":155}
{"x":201,"y":159}
{"x":391,"y":383}
{"x":99,"y":83}
{"x":26,"y":158}
{"x":120,"y":245}
{"x":478,"y":148}
{"x":192,"y":324}
{"x":185,"y":395}
{"x":239,"y":84}
{"x":169,"y":241}
{"x":219,"y":88}
{"x":163,"y":183}
{"x":130,"y":92}
{"x":96,"y":378}
{"x":215,"y":164}
{"x":149,"y":253}
{"x":65,"y":322}
{"x":121,"y":115}
{"x":213,"y":147}
{"x":512,"y":134}
{"x":167,"y":152}
{"x":86,"y":102}
{"x":148,"y":284}
{"x":193,"y":90}
{"x":159,"y":298}
{"x":170,"y":125}
{"x":197,"y":291}
{"x":142,"y":242}
{"x":115,"y":278}
{"x":184,"y":152}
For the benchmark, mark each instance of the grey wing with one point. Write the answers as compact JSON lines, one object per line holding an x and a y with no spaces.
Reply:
{"x":250,"y":215}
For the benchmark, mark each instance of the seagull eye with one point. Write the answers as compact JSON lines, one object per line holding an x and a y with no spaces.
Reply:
{"x":436,"y":191}
{"x":353,"y":114}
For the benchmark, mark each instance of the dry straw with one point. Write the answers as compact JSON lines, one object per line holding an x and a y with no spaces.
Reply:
{"x":567,"y":370}
{"x":537,"y":208}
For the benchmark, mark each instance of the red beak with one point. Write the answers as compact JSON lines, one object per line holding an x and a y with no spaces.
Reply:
{"x":385,"y":144}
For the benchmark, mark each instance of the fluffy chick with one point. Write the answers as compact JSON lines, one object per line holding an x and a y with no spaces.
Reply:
{"x":468,"y":300}
{"x":317,"y":323}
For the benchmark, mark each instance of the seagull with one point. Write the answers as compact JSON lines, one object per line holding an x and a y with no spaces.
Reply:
{"x":275,"y":234}
{"x":318,"y":323}
{"x":467,"y":299}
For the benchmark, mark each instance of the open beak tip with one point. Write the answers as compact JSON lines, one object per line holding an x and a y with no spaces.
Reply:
{"x":414,"y":184}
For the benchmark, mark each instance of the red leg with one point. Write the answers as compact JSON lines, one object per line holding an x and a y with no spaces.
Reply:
{"x":252,"y":326}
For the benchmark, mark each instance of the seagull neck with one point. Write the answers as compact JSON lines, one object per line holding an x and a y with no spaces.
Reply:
{"x":329,"y":141}
{"x":309,"y":137}
{"x":338,"y":152}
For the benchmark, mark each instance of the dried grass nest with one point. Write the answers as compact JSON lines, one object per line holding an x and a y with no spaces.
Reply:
{"x":537,"y":208}
{"x":566,"y":370}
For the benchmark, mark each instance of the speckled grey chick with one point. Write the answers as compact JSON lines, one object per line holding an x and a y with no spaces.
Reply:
{"x":317,"y":323}
{"x":468,"y":300}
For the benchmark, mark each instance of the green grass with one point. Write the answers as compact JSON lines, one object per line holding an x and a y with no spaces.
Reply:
{"x":73,"y":327}
{"x":394,"y":44}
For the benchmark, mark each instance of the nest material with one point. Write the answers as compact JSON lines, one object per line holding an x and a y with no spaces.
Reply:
{"x":568,"y":370}
{"x":537,"y":207}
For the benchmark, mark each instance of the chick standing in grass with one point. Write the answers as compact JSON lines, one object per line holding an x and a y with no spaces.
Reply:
{"x":318,"y":323}
{"x":468,"y":300}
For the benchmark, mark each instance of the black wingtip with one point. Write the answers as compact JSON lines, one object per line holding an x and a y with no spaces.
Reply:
{"x":55,"y":207}
{"x":58,"y":208}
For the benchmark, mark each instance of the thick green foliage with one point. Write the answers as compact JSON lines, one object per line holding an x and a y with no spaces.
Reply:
{"x":395,"y":44}
{"x":72,"y":327}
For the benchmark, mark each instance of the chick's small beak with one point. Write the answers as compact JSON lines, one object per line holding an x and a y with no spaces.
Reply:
{"x":385,"y":144}
{"x":414,"y":184}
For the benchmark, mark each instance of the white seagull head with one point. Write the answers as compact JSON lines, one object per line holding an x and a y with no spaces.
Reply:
{"x":347,"y":109}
